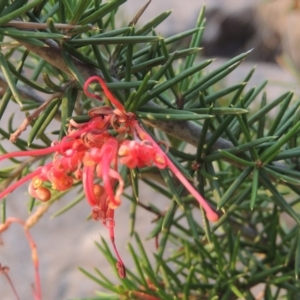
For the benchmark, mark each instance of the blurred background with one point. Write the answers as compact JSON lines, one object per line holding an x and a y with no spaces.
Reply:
{"x":271,"y":28}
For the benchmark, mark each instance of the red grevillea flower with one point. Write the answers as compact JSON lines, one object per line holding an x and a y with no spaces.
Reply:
{"x":143,"y":150}
{"x":89,"y":153}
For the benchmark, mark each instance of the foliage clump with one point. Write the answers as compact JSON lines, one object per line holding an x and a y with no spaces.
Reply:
{"x":245,"y":163}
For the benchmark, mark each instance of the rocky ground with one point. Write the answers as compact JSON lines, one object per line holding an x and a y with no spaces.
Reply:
{"x":66,"y":242}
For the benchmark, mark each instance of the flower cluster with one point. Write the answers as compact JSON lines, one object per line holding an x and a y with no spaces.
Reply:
{"x":90,"y":153}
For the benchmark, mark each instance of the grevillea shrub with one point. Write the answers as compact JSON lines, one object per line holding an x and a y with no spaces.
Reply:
{"x":129,"y":102}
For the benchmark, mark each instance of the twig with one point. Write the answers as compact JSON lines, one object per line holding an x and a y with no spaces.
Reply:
{"x":14,"y":136}
{"x":24,"y":91}
{"x":139,"y":14}
{"x":53,"y":55}
{"x":187,"y":131}
{"x":34,"y":254}
{"x":4,"y":270}
{"x":34,"y":25}
{"x":17,"y":172}
{"x":34,"y":218}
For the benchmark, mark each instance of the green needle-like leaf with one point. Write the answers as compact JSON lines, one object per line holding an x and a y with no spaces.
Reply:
{"x":219,"y":110}
{"x":169,"y":182}
{"x":265,"y":273}
{"x":5,"y":2}
{"x":113,"y":40}
{"x":64,"y":209}
{"x":4,"y":102}
{"x":138,"y":266}
{"x":132,"y":104}
{"x":227,"y":67}
{"x":216,"y":96}
{"x":262,"y":120}
{"x":239,"y":149}
{"x":25,"y":80}
{"x":285,"y":170}
{"x":132,"y":214}
{"x":239,"y":180}
{"x":105,"y":9}
{"x":237,"y":159}
{"x":272,"y":151}
{"x":280,"y":114}
{"x":134,"y":183}
{"x":43,"y":121}
{"x":282,"y":177}
{"x":268,"y":107}
{"x":170,"y":274}
{"x":255,"y":186}
{"x":278,"y":197}
{"x":297,"y":256}
{"x":129,"y":58}
{"x":8,"y":16}
{"x":172,"y":117}
{"x":10,"y":81}
{"x":168,"y":218}
{"x":31,"y":34}
{"x":98,"y":281}
{"x":164,"y":86}
{"x":81,"y":6}
{"x":153,"y":23}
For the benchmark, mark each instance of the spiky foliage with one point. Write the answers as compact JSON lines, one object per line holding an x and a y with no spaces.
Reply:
{"x":245,"y":162}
